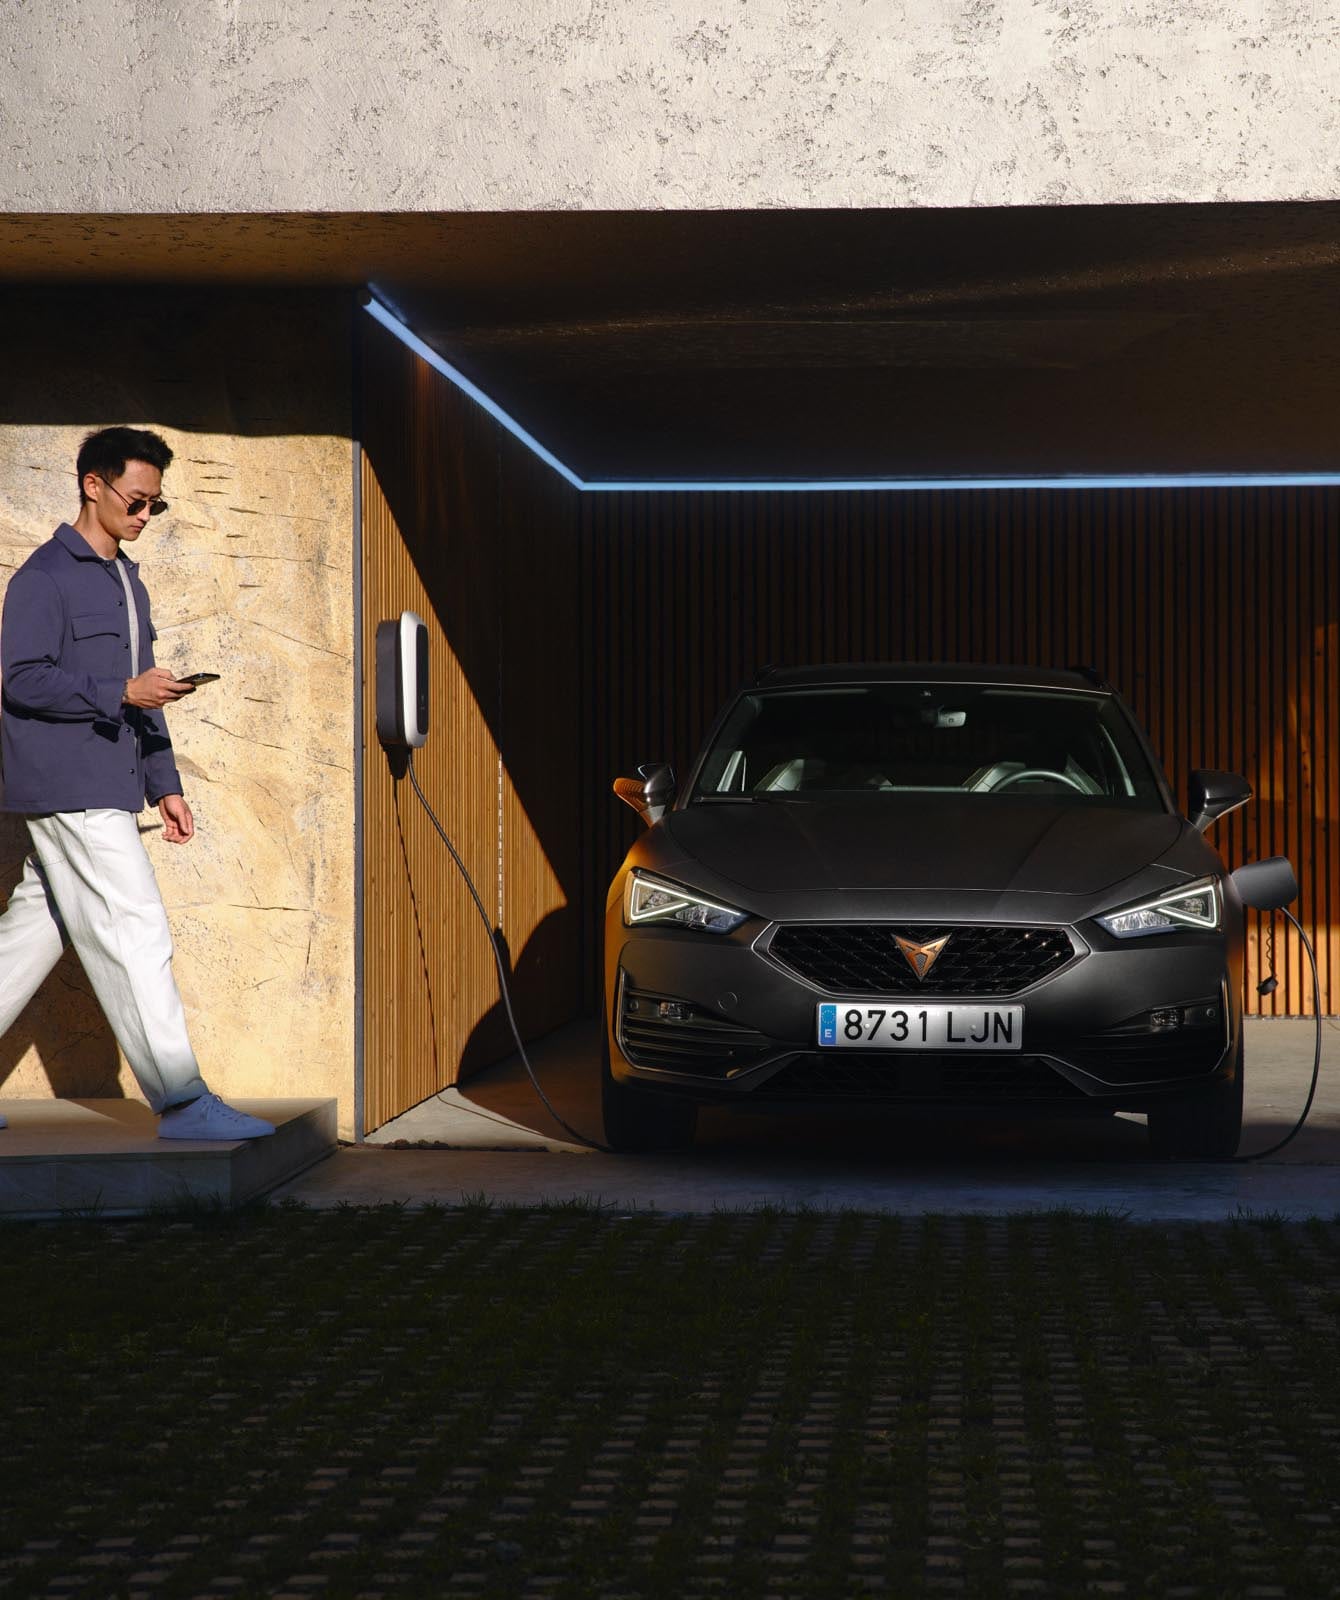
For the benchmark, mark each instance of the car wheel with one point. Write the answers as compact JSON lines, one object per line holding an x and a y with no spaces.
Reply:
{"x":1207,"y":1125}
{"x":638,"y":1121}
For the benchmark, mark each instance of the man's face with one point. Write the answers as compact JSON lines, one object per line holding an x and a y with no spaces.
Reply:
{"x":140,"y":482}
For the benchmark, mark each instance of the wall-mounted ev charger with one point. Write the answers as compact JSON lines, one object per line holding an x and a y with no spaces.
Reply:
{"x":402,"y":681}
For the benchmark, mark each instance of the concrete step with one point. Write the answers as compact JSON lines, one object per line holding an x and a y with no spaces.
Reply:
{"x":103,"y":1157}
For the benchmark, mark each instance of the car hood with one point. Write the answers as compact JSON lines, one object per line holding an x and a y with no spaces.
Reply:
{"x":940,"y":843}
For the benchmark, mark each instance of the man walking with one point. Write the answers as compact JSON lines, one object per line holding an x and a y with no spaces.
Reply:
{"x":83,"y":742}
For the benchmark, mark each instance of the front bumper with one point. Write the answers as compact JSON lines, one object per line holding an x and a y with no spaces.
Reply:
{"x":718,"y":1019}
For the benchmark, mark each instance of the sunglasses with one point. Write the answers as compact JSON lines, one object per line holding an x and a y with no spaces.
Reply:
{"x":135,"y":506}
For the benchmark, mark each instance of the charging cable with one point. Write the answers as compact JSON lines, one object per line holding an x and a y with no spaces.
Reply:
{"x":495,"y":944}
{"x":1266,"y":988}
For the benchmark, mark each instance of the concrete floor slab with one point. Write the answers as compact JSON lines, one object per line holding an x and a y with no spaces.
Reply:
{"x":492,"y":1139}
{"x":104,"y":1157}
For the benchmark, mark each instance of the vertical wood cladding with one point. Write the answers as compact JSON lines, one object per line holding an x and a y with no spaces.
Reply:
{"x":465,"y":527}
{"x":1216,"y":612}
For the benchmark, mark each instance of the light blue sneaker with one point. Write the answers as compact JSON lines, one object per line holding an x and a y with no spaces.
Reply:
{"x":209,"y":1118}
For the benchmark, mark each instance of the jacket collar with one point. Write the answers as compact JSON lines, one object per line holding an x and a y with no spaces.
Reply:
{"x":81,"y":549}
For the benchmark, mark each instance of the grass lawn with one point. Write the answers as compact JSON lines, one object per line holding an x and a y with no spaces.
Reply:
{"x":574,"y":1403}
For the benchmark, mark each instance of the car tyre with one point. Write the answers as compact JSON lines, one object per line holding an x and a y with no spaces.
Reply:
{"x":638,"y":1121}
{"x":1204,"y":1126}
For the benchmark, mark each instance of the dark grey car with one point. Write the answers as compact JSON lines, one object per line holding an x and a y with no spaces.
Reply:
{"x":925,"y":887}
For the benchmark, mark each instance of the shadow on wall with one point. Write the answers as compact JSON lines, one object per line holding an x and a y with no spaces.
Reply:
{"x":491,"y":1039}
{"x":215,"y":360}
{"x":71,"y":1039}
{"x":546,"y":949}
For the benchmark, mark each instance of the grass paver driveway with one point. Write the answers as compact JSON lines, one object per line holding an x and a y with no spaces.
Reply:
{"x":573,"y":1402}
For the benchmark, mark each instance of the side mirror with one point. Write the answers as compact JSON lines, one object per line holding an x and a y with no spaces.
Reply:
{"x":1212,"y":795}
{"x":1268,"y":885}
{"x":651,"y":793}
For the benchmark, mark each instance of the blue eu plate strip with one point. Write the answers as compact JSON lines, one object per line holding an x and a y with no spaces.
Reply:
{"x":827,"y":1024}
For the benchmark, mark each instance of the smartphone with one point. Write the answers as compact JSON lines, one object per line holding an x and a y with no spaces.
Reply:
{"x":196,"y":678}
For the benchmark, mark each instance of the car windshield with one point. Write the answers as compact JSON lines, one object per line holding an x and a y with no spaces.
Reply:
{"x":927,"y":738}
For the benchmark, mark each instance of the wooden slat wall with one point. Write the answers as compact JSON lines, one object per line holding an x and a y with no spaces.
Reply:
{"x":1216,"y":612}
{"x":463,"y":526}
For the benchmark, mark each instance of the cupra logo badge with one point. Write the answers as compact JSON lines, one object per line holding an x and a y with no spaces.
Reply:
{"x":922,"y":957}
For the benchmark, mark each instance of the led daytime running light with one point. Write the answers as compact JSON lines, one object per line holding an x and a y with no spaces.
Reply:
{"x":654,"y":900}
{"x":1183,"y":908}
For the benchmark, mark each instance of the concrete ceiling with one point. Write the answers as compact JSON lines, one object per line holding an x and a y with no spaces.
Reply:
{"x":1023,"y":342}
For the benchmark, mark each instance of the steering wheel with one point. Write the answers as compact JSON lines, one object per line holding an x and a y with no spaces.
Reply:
{"x":1039,"y":772}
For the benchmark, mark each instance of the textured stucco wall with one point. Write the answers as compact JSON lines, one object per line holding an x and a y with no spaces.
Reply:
{"x":258,"y":105}
{"x":250,"y":575}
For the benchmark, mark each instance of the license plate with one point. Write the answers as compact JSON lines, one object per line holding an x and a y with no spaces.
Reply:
{"x":956,"y":1027}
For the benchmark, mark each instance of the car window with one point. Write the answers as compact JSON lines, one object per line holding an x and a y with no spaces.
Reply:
{"x":926,"y":738}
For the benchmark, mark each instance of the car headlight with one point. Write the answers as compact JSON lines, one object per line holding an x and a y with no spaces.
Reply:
{"x":1196,"y":906}
{"x":648,"y":899}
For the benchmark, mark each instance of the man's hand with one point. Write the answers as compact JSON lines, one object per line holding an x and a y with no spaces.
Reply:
{"x":154,"y":689}
{"x":178,"y":823}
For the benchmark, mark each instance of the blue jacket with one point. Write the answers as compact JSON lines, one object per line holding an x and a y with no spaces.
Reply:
{"x":67,"y":743}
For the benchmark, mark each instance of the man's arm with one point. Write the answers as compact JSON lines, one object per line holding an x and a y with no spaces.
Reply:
{"x":160,"y":769}
{"x":161,"y":779}
{"x":30,"y":642}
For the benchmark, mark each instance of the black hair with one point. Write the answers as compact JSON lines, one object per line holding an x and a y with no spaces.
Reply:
{"x":106,"y":452}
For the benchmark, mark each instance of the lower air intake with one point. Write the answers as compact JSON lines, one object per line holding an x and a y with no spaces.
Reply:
{"x":657,"y":1030}
{"x":930,"y":1078}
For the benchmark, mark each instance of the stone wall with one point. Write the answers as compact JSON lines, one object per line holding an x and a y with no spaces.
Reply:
{"x":251,"y":576}
{"x":414,"y":105}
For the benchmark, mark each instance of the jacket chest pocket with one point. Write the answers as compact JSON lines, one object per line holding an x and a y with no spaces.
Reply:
{"x":101,"y":643}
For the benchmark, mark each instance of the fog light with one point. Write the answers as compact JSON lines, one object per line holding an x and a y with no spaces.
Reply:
{"x":1165,"y":1021}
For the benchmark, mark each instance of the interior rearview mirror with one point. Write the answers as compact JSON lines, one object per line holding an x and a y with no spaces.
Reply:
{"x":1212,"y":795}
{"x":1268,"y":885}
{"x":651,"y":793}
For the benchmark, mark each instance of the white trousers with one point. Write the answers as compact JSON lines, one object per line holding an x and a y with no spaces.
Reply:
{"x":90,"y":881}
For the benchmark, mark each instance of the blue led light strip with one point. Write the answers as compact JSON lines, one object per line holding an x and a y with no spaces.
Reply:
{"x":1190,"y":480}
{"x":394,"y":325}
{"x":1134,"y":480}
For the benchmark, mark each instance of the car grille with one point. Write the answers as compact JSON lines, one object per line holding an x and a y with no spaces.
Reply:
{"x":657,"y":1030}
{"x":860,"y":1076}
{"x":864,"y":958}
